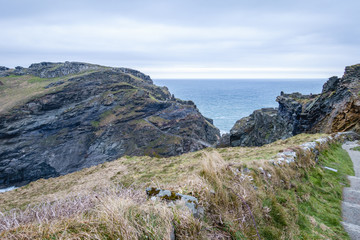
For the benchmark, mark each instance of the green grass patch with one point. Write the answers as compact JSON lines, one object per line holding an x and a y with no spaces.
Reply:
{"x":319,"y":196}
{"x":356,"y":148}
{"x":37,"y":79}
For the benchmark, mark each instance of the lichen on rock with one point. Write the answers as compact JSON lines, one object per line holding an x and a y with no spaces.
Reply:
{"x":172,"y":196}
{"x":86,"y":114}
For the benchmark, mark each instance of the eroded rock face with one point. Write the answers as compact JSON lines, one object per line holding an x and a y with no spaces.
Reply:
{"x":92,"y":115}
{"x":261,"y":127}
{"x":336,"y":109}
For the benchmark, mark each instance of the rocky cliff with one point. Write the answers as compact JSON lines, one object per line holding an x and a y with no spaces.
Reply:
{"x":56,"y":118}
{"x":335,"y":109}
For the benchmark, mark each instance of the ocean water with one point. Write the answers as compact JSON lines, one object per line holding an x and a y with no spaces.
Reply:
{"x":226,"y":101}
{"x":7,"y":189}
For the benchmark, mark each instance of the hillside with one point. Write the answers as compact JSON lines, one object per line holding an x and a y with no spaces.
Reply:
{"x":295,"y":200}
{"x":57,"y":118}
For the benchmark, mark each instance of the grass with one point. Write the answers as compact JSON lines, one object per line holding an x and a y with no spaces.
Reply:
{"x":298,"y":201}
{"x":356,"y":148}
{"x":322,"y":210}
{"x":17,"y":90}
{"x":143,"y":171}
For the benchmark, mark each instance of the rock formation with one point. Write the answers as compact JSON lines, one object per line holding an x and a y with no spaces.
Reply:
{"x":336,"y":109}
{"x":57,"y":118}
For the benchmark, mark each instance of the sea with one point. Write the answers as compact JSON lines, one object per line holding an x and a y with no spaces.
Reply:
{"x":226,"y":101}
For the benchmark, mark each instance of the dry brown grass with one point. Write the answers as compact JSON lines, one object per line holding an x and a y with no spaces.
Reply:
{"x":177,"y":173}
{"x":116,"y":213}
{"x":232,"y":189}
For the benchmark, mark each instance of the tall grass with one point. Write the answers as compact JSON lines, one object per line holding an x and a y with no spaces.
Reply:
{"x":255,"y":199}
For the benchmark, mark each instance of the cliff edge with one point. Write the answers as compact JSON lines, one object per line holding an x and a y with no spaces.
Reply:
{"x":335,"y":109}
{"x":57,"y":118}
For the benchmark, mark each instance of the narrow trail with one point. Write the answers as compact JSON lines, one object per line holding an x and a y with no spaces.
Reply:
{"x":351,"y":196}
{"x":174,"y":135}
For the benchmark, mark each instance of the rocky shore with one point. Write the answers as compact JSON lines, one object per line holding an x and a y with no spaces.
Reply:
{"x":335,"y":109}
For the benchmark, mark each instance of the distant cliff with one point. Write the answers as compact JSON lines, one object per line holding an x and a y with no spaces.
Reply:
{"x":56,"y":118}
{"x":336,"y":109}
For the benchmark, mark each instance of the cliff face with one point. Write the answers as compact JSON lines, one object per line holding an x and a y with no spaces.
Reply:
{"x":336,"y":109}
{"x":56,"y":118}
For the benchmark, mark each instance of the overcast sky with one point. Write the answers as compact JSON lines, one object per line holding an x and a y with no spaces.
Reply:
{"x":186,"y":38}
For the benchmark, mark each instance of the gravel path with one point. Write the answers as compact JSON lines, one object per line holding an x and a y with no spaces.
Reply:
{"x":351,"y":196}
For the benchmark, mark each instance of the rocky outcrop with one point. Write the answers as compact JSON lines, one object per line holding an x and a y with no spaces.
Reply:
{"x":261,"y":127}
{"x":2,"y":68}
{"x":88,"y":114}
{"x":336,"y":109}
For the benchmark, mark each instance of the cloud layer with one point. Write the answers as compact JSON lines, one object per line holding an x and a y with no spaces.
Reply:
{"x":186,"y":39}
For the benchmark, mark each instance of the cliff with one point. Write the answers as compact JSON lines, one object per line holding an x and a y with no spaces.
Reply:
{"x":335,"y":109}
{"x":57,"y":118}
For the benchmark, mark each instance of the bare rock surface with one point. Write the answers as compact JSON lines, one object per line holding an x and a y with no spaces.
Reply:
{"x":335,"y":109}
{"x":89,"y":114}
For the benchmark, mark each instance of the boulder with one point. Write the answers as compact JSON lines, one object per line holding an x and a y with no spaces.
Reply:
{"x":173,"y":197}
{"x":261,"y":127}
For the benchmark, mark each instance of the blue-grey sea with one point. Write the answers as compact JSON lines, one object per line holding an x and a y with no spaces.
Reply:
{"x":226,"y":101}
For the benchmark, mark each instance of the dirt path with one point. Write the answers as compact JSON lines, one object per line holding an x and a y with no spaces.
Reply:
{"x":351,"y":196}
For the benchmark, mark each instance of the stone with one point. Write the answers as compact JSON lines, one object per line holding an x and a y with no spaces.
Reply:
{"x":2,"y":68}
{"x":335,"y":109}
{"x":224,"y":141}
{"x":55,"y":84}
{"x":261,"y":127}
{"x":94,"y":114}
{"x":171,"y":197}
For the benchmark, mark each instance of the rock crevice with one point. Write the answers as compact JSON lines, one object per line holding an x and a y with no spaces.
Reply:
{"x":335,"y":109}
{"x":90,"y":114}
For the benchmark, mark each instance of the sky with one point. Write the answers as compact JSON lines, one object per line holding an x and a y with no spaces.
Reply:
{"x":186,"y":38}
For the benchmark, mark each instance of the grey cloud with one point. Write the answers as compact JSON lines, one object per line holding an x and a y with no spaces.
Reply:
{"x":303,"y":34}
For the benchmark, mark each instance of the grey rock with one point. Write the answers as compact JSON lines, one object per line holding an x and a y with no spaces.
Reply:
{"x":98,"y":115}
{"x":2,"y":68}
{"x":55,"y":84}
{"x":331,"y":84}
{"x":261,"y":127}
{"x":224,"y":141}
{"x":336,"y":109}
{"x":171,"y":196}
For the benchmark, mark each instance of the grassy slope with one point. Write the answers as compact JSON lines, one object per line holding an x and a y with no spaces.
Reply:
{"x":311,"y":207}
{"x":300,"y":201}
{"x":17,"y":90}
{"x":170,"y":172}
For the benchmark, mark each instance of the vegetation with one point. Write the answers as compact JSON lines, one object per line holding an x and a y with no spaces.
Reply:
{"x":17,"y":90}
{"x":300,"y":200}
{"x":356,"y":148}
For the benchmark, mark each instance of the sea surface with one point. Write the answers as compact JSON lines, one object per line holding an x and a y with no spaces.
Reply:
{"x":226,"y":101}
